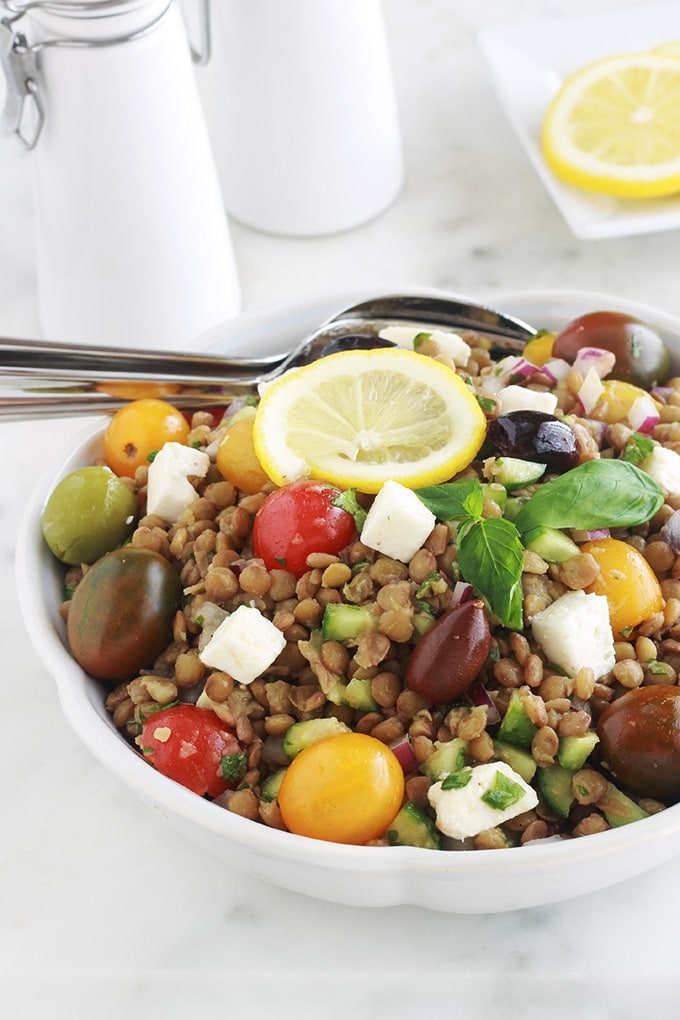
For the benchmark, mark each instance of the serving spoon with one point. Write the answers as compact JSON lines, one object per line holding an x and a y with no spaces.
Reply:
{"x":41,"y":379}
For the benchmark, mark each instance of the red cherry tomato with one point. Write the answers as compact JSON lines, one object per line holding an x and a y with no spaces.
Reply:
{"x":194,"y":747}
{"x":642,"y":358}
{"x":297,"y":520}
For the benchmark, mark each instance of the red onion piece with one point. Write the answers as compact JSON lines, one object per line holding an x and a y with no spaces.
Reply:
{"x":556,"y":369}
{"x":643,"y":415}
{"x":404,"y":754}
{"x":670,"y":531}
{"x":477,"y":695}
{"x":462,"y":592}
{"x":601,"y":360}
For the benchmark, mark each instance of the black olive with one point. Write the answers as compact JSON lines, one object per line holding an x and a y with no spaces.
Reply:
{"x":537,"y":436}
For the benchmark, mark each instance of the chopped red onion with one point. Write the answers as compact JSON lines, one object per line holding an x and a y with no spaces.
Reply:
{"x":462,"y":592}
{"x":670,"y":531}
{"x":591,"y":536}
{"x":643,"y":415}
{"x":507,"y":369}
{"x":477,"y":695}
{"x":662,"y":393}
{"x":404,"y":754}
{"x":556,"y":369}
{"x":587,"y":358}
{"x":590,"y":391}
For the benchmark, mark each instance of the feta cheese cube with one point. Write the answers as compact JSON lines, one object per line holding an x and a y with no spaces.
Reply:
{"x":492,"y":794}
{"x":397,"y":523}
{"x":244,"y":645}
{"x":574,"y":631}
{"x":663,"y":465}
{"x":169,"y":491}
{"x":447,"y":344}
{"x":519,"y":398}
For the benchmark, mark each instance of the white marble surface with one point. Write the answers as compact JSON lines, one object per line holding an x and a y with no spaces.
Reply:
{"x":106,"y":912}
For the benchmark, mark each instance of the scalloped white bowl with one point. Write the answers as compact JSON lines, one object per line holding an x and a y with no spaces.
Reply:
{"x":457,"y":882}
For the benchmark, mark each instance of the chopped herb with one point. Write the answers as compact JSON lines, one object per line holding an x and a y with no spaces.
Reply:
{"x":281,"y":560}
{"x":635,"y":346}
{"x":425,"y":607}
{"x":457,"y":780}
{"x":486,"y":403}
{"x":151,"y":456}
{"x":503,"y":793}
{"x":637,"y":448}
{"x":233,"y":766}
{"x":656,"y":667}
{"x":428,"y":585}
{"x":419,"y":338}
{"x":347,"y":500}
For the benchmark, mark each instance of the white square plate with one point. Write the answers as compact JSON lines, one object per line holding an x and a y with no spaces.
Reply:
{"x":529,"y":60}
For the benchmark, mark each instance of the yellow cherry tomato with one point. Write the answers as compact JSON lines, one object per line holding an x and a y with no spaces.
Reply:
{"x":627,"y":581}
{"x":616,"y":401}
{"x":540,"y":349}
{"x":345,"y":788}
{"x":237,"y":461}
{"x":141,"y":428}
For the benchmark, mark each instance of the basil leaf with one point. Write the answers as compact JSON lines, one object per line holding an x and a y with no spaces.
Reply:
{"x":450,"y":500}
{"x":491,"y":557}
{"x":347,"y":500}
{"x":597,"y":494}
{"x":637,"y":448}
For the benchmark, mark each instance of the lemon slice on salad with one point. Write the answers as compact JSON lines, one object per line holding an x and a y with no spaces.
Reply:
{"x":358,"y":418}
{"x":613,"y":126}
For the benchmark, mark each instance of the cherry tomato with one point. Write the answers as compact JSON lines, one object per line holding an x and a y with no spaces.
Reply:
{"x":626,"y":579}
{"x":640,"y":741}
{"x":642,"y":358}
{"x":141,"y":428}
{"x":345,"y":788}
{"x":297,"y":520}
{"x":237,"y":461}
{"x":194,"y":747}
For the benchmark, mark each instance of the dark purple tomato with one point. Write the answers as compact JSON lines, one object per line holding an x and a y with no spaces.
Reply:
{"x":642,"y":357}
{"x":640,"y":741}
{"x":537,"y":436}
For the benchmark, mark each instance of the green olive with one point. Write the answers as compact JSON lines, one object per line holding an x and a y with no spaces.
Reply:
{"x":90,"y":512}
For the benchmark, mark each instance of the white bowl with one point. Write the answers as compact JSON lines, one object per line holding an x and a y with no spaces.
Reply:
{"x":458,"y":882}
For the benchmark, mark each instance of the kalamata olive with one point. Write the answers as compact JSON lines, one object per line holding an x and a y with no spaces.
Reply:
{"x":90,"y":512}
{"x":640,"y":741}
{"x":121,"y":614}
{"x":537,"y":436}
{"x":449,"y":656}
{"x":642,"y":358}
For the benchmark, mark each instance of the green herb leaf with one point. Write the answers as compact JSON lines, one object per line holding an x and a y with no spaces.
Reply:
{"x":503,"y":793}
{"x":457,"y":780}
{"x":597,"y":494}
{"x":233,"y":766}
{"x":637,"y":448}
{"x":347,"y":500}
{"x":491,"y":557}
{"x":418,"y":339}
{"x":453,"y":500}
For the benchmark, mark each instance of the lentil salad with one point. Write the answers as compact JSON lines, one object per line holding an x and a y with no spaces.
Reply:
{"x":211,"y":547}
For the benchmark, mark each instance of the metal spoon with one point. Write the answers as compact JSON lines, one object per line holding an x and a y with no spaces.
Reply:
{"x":42,"y":379}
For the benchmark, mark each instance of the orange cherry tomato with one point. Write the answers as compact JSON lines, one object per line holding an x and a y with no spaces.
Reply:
{"x":141,"y":428}
{"x":345,"y":788}
{"x":237,"y":461}
{"x":627,"y":581}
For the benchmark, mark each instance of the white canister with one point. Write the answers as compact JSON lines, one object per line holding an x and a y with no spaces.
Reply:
{"x":302,"y":112}
{"x":133,"y":244}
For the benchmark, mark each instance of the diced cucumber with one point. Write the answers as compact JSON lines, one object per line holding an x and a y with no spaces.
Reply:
{"x":356,"y":694}
{"x":302,"y":734}
{"x":271,"y":785}
{"x":342,"y":622}
{"x":554,"y":782}
{"x":553,"y":545}
{"x":619,"y":809}
{"x":573,"y":752}
{"x":516,"y":727}
{"x":513,"y":506}
{"x":448,"y":756}
{"x":412,"y":827}
{"x":496,"y":492}
{"x":515,"y":473}
{"x":518,"y":759}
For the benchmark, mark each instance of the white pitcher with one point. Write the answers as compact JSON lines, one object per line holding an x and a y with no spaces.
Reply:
{"x":302,"y":112}
{"x":133,"y":243}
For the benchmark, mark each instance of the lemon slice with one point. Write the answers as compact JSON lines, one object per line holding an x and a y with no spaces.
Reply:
{"x":359,"y":418}
{"x":669,"y":49}
{"x":613,"y":126}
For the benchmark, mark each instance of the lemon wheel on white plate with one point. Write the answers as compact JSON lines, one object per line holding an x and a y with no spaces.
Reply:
{"x":359,"y":418}
{"x":614,"y":126}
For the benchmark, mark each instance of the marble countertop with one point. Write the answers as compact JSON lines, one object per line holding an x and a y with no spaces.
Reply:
{"x":104,"y":910}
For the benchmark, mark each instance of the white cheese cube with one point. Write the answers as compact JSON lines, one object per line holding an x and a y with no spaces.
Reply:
{"x":447,"y":344}
{"x":397,"y":523}
{"x":244,"y":645}
{"x":575,"y":631}
{"x":519,"y":398}
{"x":663,"y":465}
{"x":492,"y":794}
{"x":169,"y":491}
